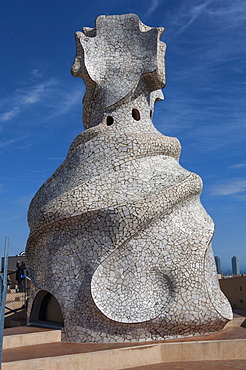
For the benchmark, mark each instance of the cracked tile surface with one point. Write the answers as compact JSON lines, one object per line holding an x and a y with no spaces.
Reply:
{"x":118,"y":234}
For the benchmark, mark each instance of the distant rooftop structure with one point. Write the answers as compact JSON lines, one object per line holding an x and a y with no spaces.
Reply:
{"x":218,"y":265}
{"x":235,"y":265}
{"x":234,"y":288}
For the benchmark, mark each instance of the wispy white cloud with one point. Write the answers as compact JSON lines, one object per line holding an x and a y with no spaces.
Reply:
{"x":227,"y":13}
{"x":13,"y":112}
{"x":67,"y":100}
{"x":35,"y":93}
{"x":39,"y":102}
{"x":230,"y":12}
{"x":5,"y":144}
{"x":187,"y":15}
{"x":22,"y":98}
{"x":152,"y":7}
{"x":205,"y":90}
{"x":230,"y":187}
{"x":208,"y":124}
{"x":218,"y":22}
{"x":36,"y":73}
{"x":238,"y":165}
{"x":195,"y":13}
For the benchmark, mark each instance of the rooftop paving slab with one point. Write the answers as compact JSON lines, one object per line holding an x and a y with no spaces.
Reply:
{"x":194,"y":365}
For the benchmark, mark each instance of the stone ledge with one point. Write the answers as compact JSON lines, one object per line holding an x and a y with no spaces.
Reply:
{"x":27,"y":339}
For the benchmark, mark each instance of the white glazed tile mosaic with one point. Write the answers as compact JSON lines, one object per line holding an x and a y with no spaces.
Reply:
{"x":118,"y":234}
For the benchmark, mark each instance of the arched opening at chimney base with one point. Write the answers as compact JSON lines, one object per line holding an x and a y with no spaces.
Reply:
{"x":46,"y":311}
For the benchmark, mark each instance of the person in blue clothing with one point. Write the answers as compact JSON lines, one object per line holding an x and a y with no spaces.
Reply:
{"x":20,"y":274}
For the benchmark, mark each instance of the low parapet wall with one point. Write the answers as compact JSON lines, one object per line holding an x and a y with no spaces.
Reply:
{"x":124,"y":358}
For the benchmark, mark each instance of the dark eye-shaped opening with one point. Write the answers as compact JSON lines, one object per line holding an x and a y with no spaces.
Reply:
{"x":136,"y":114}
{"x":109,"y":121}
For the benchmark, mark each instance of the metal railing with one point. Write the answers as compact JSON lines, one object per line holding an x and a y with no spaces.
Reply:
{"x":17,"y":294}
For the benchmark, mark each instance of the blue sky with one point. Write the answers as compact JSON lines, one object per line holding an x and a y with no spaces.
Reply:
{"x":204,"y":107}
